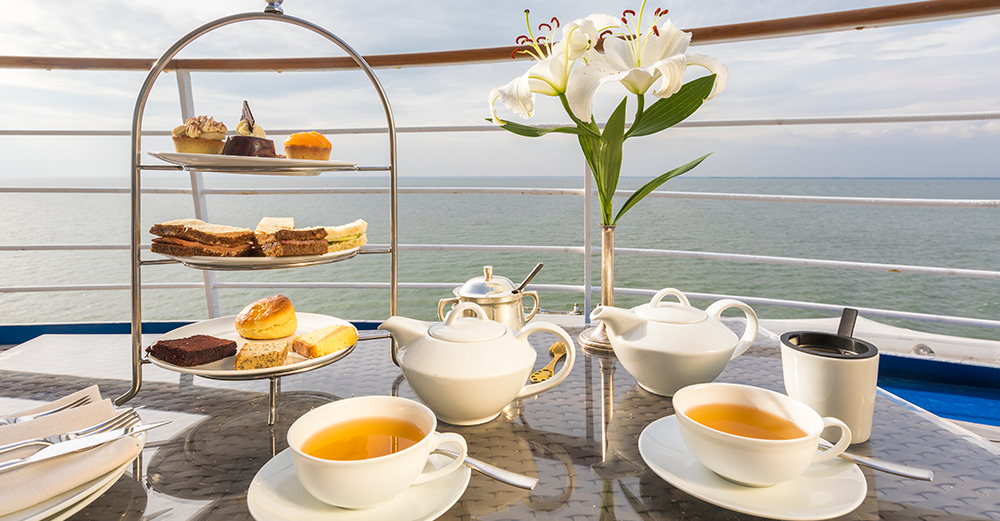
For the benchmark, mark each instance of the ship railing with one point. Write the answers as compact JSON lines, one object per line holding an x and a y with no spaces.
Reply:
{"x":815,"y":24}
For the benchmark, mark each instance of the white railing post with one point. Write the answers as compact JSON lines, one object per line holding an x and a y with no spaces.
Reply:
{"x":587,"y":226}
{"x":197,"y":189}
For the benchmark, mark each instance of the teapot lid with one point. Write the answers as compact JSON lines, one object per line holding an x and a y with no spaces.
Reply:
{"x":681,"y":312}
{"x":459,"y":328}
{"x":487,"y":286}
{"x":671,"y":313}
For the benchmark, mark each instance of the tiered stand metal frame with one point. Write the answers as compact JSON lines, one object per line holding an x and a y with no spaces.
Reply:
{"x":272,"y":13}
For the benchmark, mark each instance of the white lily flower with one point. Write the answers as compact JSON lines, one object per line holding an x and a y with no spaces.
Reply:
{"x":637,"y":62}
{"x":550,"y":76}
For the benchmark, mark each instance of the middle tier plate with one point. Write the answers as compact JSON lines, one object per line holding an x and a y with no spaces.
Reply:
{"x":225,"y":369}
{"x":262,"y":263}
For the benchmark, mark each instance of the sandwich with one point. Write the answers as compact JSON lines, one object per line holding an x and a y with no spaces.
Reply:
{"x":351,"y":235}
{"x":278,"y":237}
{"x":195,"y":238}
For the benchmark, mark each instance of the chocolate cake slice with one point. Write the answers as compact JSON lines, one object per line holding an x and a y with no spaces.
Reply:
{"x":193,"y":350}
{"x":248,"y":146}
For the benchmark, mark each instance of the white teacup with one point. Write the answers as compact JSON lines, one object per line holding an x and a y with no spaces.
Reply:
{"x":369,"y":482}
{"x":754,"y":461}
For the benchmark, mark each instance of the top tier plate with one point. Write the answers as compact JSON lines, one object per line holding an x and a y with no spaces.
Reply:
{"x":252,"y":165}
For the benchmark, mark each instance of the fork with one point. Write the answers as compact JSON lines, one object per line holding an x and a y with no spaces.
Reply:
{"x":125,"y":418}
{"x":83,"y":400}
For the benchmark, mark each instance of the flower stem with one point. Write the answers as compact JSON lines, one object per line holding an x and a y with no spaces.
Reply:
{"x":579,"y":122}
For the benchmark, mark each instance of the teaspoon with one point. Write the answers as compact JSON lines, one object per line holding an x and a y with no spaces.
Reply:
{"x":499,"y":474}
{"x":885,"y":466}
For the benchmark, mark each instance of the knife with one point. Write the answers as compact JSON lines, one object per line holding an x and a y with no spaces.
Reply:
{"x":81,"y":443}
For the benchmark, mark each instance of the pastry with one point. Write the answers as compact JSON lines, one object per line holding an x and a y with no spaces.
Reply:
{"x":200,"y":135}
{"x":308,"y":145}
{"x":193,"y":350}
{"x":325,"y":341}
{"x":260,"y":355}
{"x":267,"y":319}
{"x":250,"y":138}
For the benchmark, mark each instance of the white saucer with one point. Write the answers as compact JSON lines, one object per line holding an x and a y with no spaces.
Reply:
{"x":275,"y":494}
{"x":69,"y":502}
{"x":827,"y":489}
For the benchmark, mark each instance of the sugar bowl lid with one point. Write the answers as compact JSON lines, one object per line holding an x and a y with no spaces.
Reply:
{"x":487,"y":286}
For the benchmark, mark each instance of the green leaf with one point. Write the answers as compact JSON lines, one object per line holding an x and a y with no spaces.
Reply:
{"x":610,"y":157}
{"x":653,"y":184}
{"x":529,"y":131}
{"x":668,"y":112}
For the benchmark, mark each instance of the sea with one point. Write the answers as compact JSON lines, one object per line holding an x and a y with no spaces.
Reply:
{"x":966,"y":238}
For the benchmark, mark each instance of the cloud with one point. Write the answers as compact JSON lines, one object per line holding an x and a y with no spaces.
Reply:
{"x":948,"y":66}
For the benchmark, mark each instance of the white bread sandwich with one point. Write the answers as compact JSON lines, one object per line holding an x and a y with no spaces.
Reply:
{"x":195,"y":238}
{"x":350,"y":235}
{"x":278,"y":237}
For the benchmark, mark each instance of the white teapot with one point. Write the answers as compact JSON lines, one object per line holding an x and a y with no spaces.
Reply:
{"x":467,"y":369}
{"x":667,"y":345}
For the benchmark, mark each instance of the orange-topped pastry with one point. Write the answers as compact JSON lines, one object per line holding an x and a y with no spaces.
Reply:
{"x":308,"y":145}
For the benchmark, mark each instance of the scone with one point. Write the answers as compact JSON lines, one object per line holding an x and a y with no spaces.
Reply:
{"x":267,"y":319}
{"x":308,"y":145}
{"x":200,"y":135}
{"x":325,"y":341}
{"x":260,"y":355}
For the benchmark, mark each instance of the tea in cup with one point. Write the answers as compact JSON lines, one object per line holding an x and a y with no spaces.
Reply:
{"x":750,"y":435}
{"x":362,"y":452}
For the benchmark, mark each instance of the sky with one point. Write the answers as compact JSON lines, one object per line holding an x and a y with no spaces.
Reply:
{"x":930,"y":68}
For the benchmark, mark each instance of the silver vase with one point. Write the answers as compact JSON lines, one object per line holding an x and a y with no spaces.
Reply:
{"x":595,"y":339}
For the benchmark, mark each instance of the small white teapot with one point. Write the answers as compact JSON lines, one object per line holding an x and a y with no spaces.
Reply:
{"x":667,"y":346}
{"x":467,"y":369}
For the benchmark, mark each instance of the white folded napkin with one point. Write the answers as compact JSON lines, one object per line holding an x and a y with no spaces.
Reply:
{"x":35,"y":483}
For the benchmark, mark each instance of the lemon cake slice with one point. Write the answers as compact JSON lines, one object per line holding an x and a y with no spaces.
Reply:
{"x":259,"y":355}
{"x":325,"y":341}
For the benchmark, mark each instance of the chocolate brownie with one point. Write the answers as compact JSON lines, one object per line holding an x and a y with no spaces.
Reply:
{"x":193,"y":350}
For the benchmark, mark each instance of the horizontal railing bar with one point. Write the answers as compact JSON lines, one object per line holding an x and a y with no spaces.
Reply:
{"x":835,"y":309}
{"x":677,"y":254}
{"x":873,"y":201}
{"x":99,"y":287}
{"x":901,"y":14}
{"x":814,"y":263}
{"x":89,"y":190}
{"x":819,"y":120}
{"x":832,"y":308}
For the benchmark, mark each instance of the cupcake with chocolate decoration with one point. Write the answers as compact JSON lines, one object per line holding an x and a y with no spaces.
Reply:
{"x":200,"y":135}
{"x":250,"y":138}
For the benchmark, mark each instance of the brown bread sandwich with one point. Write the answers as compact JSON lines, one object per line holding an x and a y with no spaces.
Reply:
{"x":278,"y":237}
{"x":194,"y":238}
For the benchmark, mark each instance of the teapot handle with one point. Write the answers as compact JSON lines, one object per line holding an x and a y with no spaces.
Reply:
{"x":459,"y":311}
{"x":669,"y":291}
{"x":540,"y":387}
{"x":749,"y":334}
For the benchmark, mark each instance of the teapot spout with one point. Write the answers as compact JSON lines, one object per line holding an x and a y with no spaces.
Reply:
{"x":404,"y":330}
{"x":617,"y":320}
